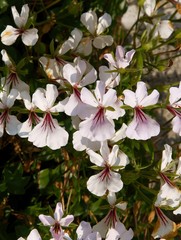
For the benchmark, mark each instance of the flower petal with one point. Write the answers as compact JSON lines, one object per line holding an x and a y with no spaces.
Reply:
{"x":46,"y":220}
{"x":102,"y":41}
{"x":21,"y":19}
{"x":66,"y":220}
{"x":34,"y":235}
{"x":142,"y":128}
{"x":30,"y":37}
{"x":58,"y":212}
{"x":103,"y":22}
{"x":9,"y":35}
{"x":89,"y":20}
{"x":95,"y":158}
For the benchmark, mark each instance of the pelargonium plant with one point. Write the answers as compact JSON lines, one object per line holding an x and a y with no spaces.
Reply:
{"x":85,"y":128}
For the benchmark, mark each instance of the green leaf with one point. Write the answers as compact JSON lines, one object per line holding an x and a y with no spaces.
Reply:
{"x":43,"y":178}
{"x":129,"y":176}
{"x":14,"y":180}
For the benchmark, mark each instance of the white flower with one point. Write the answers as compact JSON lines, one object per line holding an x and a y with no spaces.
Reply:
{"x":81,"y":143}
{"x":164,"y":226}
{"x":99,"y":126}
{"x":26,"y":127}
{"x":85,"y":232}
{"x":13,"y":80}
{"x":78,"y":75}
{"x":119,"y":232}
{"x":34,"y":235}
{"x":10,"y":34}
{"x":107,"y":179}
{"x":8,"y":121}
{"x":174,"y":107}
{"x":130,"y":17}
{"x":48,"y":132}
{"x":110,"y":227}
{"x":109,"y":76}
{"x":72,"y":42}
{"x":96,"y":27}
{"x":149,"y":6}
{"x":53,"y":68}
{"x":162,"y":28}
{"x":169,"y":195}
{"x":142,"y":126}
{"x":57,"y":222}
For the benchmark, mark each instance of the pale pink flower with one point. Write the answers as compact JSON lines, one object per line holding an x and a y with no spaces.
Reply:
{"x":142,"y":127}
{"x":10,"y":34}
{"x":108,"y":179}
{"x":99,"y":125}
{"x":34,"y":235}
{"x":78,"y":75}
{"x":122,"y":59}
{"x":13,"y":80}
{"x":57,"y":222}
{"x":174,"y":107}
{"x":85,"y":232}
{"x":48,"y":132}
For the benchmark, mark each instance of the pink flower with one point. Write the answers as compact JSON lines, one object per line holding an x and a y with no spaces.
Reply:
{"x":142,"y":127}
{"x":57,"y":222}
{"x":122,"y":59}
{"x":10,"y":34}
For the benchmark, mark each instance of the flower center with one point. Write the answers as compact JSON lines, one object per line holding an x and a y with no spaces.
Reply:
{"x":105,"y":174}
{"x":4,"y":117}
{"x":57,"y":228}
{"x":77,"y":93}
{"x":99,"y":117}
{"x":33,"y":118}
{"x":174,"y":111}
{"x":140,"y":116}
{"x":111,"y":218}
{"x":161,"y":216}
{"x":48,"y":122}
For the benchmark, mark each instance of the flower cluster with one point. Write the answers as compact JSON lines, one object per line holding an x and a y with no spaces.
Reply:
{"x":104,"y":111}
